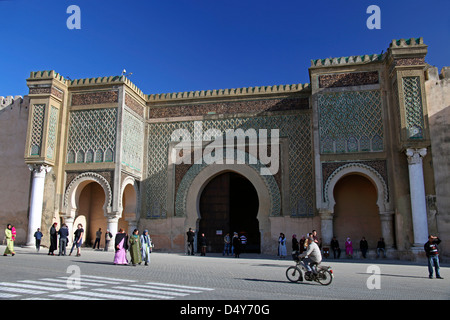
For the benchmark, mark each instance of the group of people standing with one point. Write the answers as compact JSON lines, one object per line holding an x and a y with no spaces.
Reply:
{"x":232,"y":245}
{"x":139,"y":246}
{"x":63,"y":235}
{"x":363,"y":246}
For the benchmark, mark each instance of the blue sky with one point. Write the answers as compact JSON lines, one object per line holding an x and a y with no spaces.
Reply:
{"x":188,"y":45}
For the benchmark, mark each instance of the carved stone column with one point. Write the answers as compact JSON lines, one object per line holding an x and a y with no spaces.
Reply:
{"x":36,"y":200}
{"x":387,"y":228}
{"x":417,"y":193}
{"x":326,"y":225}
{"x":113,"y":227}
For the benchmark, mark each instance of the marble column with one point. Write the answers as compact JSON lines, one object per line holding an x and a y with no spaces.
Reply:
{"x":326,"y":226}
{"x":36,"y":200}
{"x":387,"y":228}
{"x":417,"y":193}
{"x":113,"y":227}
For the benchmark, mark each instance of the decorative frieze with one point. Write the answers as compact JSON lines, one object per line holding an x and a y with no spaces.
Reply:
{"x":81,"y":99}
{"x":348,"y":79}
{"x":249,"y":106}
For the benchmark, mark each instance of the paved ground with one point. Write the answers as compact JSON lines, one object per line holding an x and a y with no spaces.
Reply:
{"x":177,"y":277}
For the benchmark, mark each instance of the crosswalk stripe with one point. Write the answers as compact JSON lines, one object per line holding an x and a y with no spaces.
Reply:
{"x":29,"y":286}
{"x":139,"y":294}
{"x":8,"y":295}
{"x":179,"y":286}
{"x":145,"y":289}
{"x":24,"y":291}
{"x":71,"y":297}
{"x":45,"y":283}
{"x":103,"y":295}
{"x":65,"y":281}
{"x":166,"y":288}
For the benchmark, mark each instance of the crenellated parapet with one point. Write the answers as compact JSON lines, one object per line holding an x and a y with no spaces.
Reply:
{"x":238,"y":92}
{"x":13,"y":102}
{"x":346,"y":60}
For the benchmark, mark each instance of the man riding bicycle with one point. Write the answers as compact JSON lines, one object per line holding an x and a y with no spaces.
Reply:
{"x":312,"y":255}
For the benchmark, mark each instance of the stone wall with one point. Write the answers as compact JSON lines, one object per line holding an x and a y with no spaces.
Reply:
{"x":14,"y":173}
{"x":438,"y":100}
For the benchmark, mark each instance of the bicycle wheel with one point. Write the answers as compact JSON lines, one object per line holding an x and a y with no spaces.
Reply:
{"x":324,"y":277}
{"x":294,"y":274}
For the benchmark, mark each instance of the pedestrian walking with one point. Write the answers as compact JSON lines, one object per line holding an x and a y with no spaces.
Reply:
{"x":98,"y":236}
{"x":190,"y":241}
{"x":9,"y":241}
{"x":78,"y":239}
{"x":53,"y":239}
{"x":432,"y":252}
{"x":226,"y":244}
{"x":63,"y":239}
{"x":146,"y":247}
{"x":121,"y":247}
{"x":282,"y":246}
{"x":203,"y":245}
{"x":135,"y":248}
{"x":363,"y":246}
{"x":236,"y":242}
{"x":108,"y":237}
{"x":349,"y":248}
{"x":38,"y":237}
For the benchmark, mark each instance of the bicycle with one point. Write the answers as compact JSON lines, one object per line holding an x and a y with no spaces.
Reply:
{"x":324,"y":274}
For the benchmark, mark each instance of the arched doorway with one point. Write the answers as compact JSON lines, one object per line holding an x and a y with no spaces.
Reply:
{"x":90,"y":211}
{"x":356,"y":213}
{"x":229,"y":203}
{"x":128,"y":221}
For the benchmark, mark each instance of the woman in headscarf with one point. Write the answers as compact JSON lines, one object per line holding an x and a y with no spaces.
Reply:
{"x":349,"y":248}
{"x":135,"y":248}
{"x":121,"y":246}
{"x":146,"y":247}
{"x":9,"y":241}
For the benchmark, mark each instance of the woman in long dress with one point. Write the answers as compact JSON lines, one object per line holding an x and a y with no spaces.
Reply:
{"x":146,"y":247}
{"x":121,"y":246}
{"x":349,"y":248}
{"x":9,"y":241}
{"x":282,"y":246}
{"x":53,"y":239}
{"x":135,"y":248}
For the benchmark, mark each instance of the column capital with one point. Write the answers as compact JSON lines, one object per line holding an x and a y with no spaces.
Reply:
{"x":325,"y":214}
{"x":39,"y":168}
{"x":415,"y":155}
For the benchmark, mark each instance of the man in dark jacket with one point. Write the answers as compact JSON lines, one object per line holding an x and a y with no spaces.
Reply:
{"x":190,"y":240}
{"x":432,"y":252}
{"x":63,"y":239}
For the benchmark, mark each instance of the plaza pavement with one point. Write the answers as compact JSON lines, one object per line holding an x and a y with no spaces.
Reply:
{"x":252,"y":277}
